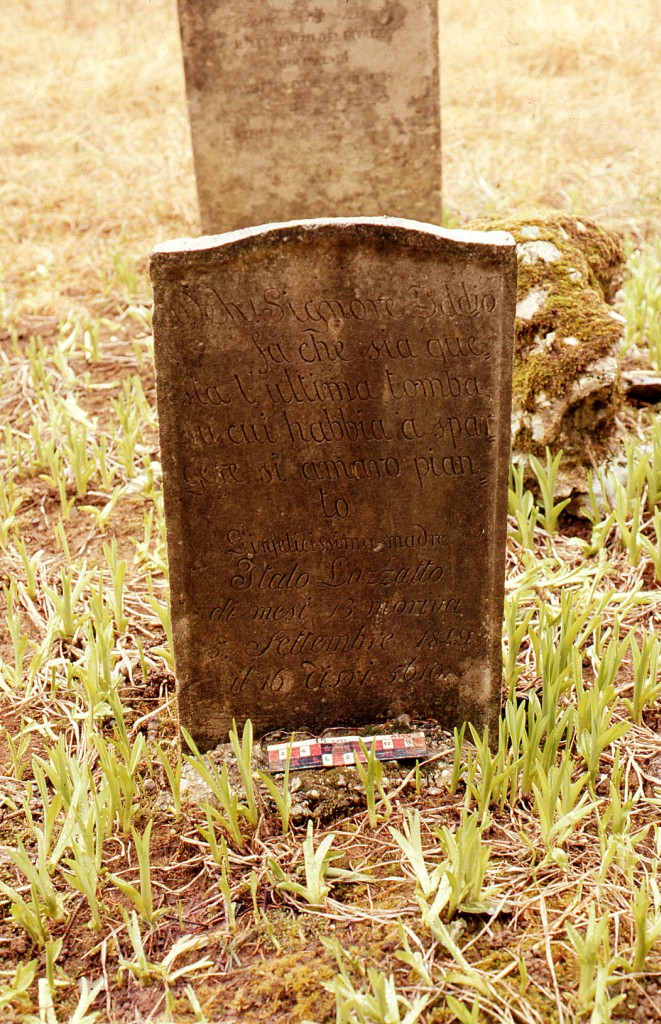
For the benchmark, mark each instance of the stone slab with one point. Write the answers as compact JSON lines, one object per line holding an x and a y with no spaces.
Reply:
{"x":313,"y":109}
{"x":334,"y":411}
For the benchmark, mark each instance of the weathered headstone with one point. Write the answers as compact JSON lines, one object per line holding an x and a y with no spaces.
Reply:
{"x":334,"y":406}
{"x":311,"y":109}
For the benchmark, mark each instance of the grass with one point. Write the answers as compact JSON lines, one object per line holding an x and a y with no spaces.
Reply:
{"x":515,"y":883}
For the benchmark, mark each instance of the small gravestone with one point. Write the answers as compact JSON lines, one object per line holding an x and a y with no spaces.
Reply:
{"x":334,"y":405}
{"x":303,"y":109}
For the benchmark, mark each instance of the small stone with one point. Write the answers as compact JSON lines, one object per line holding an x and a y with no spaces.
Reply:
{"x":531,"y":304}
{"x":149,"y":786}
{"x":295,"y":784}
{"x":341,"y":782}
{"x":533,"y":252}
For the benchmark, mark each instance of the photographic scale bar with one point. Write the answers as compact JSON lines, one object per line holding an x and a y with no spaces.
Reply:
{"x":343,"y":751}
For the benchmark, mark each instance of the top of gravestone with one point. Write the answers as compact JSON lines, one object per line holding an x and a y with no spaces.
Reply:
{"x":204,"y":242}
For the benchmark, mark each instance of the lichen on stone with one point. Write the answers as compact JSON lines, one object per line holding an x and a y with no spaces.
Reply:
{"x":566,"y":379}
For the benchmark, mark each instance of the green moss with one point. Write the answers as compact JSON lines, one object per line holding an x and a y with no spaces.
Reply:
{"x":599,"y":253}
{"x":290,"y":982}
{"x":577,"y":287}
{"x":573,"y":308}
{"x":553,"y":370}
{"x":289,"y":985}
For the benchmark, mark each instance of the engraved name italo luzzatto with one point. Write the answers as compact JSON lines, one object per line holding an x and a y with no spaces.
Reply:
{"x":303,"y":109}
{"x":334,"y":404}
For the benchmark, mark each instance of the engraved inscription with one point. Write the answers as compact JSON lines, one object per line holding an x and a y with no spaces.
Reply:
{"x":334,"y":430}
{"x":191,"y":306}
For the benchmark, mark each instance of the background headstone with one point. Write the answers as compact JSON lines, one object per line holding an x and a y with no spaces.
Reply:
{"x":334,"y":406}
{"x":303,"y":109}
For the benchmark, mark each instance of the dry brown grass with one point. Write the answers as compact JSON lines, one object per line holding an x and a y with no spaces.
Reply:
{"x":544,"y":104}
{"x":95,"y":142}
{"x":552,"y":104}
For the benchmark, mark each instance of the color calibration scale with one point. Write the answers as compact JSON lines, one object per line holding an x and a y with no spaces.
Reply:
{"x":344,"y":750}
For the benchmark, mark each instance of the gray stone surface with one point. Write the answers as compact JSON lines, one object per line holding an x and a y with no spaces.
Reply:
{"x":334,"y":405}
{"x":312,"y":109}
